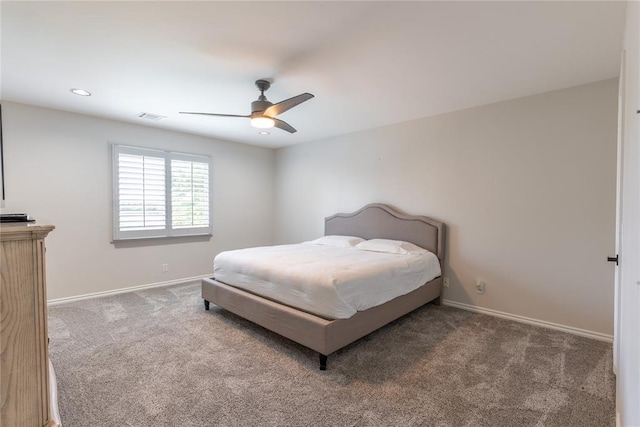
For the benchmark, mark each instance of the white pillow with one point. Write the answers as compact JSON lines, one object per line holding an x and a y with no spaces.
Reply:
{"x":338,"y":241}
{"x":390,"y":246}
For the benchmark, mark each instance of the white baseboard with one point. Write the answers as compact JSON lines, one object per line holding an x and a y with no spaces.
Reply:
{"x":125,"y":290}
{"x":570,"y":329}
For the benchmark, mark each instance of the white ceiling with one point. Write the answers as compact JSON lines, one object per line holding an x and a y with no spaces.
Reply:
{"x":368,"y":63}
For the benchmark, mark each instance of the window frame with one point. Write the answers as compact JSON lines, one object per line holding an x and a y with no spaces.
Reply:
{"x":168,"y":231}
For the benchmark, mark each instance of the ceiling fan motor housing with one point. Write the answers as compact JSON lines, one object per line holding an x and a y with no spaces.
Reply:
{"x":260,"y":105}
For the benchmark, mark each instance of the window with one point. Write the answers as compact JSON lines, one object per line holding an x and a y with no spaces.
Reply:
{"x":159,"y":193}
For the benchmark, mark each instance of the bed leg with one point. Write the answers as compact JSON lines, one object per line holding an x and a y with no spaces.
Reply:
{"x":323,"y":362}
{"x":438,"y":301}
{"x":206,"y":305}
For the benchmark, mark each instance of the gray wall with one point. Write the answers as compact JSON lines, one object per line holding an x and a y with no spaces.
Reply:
{"x":527,"y":188}
{"x":58,"y":169}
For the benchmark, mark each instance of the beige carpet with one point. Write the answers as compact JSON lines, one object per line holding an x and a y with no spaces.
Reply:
{"x":156,"y":358}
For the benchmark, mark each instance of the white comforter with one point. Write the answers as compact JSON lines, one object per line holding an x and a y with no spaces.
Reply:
{"x":328,"y":281}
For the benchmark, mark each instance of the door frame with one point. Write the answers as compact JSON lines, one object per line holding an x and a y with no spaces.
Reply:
{"x":619,"y":208}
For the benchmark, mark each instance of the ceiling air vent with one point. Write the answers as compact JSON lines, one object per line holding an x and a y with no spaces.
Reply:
{"x":151,"y":116}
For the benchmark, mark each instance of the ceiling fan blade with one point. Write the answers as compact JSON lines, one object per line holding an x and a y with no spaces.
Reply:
{"x":214,"y":114}
{"x":284,"y":126}
{"x":287,"y":104}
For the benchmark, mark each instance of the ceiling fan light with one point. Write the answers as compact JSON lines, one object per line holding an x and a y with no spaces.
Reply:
{"x":262,"y":122}
{"x":80,"y":92}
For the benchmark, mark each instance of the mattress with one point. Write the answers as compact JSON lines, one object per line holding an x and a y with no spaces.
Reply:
{"x":331,"y":282}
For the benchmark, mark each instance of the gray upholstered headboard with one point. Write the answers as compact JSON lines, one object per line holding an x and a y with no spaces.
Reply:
{"x":379,"y":221}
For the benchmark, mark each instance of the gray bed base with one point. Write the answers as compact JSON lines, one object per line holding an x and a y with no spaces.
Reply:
{"x":327,"y":336}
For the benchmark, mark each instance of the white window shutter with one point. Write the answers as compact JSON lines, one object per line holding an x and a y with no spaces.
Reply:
{"x":189,"y":194}
{"x":142,"y":203}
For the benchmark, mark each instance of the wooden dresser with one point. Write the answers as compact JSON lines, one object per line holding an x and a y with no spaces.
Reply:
{"x":24,"y":359}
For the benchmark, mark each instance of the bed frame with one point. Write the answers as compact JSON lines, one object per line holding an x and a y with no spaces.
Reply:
{"x":324,"y":335}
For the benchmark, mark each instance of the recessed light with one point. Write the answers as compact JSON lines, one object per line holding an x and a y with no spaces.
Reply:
{"x":151,"y":116}
{"x":80,"y":92}
{"x":264,"y":132}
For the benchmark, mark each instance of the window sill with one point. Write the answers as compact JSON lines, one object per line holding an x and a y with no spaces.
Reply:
{"x":160,"y":240}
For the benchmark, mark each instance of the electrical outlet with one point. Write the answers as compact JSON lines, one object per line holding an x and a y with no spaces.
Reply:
{"x":445,"y":282}
{"x":480,"y":285}
{"x":165,"y":268}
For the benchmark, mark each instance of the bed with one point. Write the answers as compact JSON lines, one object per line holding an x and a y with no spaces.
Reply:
{"x":326,"y":335}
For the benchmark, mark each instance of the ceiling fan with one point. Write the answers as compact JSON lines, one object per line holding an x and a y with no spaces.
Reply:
{"x":263,"y":113}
